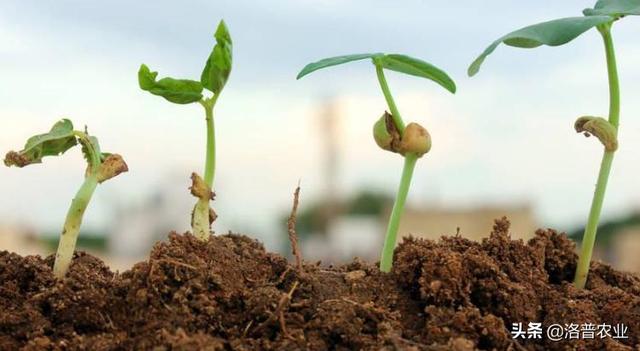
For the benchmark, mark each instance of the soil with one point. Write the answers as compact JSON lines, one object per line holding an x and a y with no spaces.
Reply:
{"x":230,"y":294}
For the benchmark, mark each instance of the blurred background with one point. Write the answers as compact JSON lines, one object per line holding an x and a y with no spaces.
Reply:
{"x":503,"y":145}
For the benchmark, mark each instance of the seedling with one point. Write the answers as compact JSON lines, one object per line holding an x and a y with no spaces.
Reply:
{"x":184,"y":91}
{"x":562,"y":31}
{"x":100,"y":167}
{"x":390,"y":133}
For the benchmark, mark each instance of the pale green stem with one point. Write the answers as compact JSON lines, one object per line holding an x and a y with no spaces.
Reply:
{"x":395,"y":114}
{"x":200,"y":221}
{"x":69,"y":236}
{"x":210,"y":163}
{"x":386,"y":259}
{"x":589,"y":238}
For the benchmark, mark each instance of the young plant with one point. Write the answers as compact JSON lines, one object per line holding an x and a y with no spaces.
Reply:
{"x":390,"y":133}
{"x":184,"y":91}
{"x":101,"y":166}
{"x":562,"y":31}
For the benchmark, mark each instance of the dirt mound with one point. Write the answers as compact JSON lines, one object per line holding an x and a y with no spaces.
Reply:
{"x":230,"y":294}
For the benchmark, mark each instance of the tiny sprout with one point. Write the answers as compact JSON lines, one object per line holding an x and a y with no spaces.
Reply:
{"x":101,"y":167}
{"x":184,"y":91}
{"x":389,"y":131}
{"x":562,"y":31}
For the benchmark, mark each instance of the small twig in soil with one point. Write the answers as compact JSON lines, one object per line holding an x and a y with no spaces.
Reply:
{"x":293,"y":236}
{"x":177,"y":263}
{"x":283,"y":275}
{"x":330,"y":272}
{"x":278,"y":313}
{"x":366,"y":309}
{"x":246,"y":329}
{"x":399,"y":339}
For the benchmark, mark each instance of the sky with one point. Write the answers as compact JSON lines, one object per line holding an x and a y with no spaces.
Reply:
{"x":505,"y":137}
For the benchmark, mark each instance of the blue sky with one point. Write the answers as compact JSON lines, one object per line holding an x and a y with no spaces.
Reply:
{"x":506,"y":136}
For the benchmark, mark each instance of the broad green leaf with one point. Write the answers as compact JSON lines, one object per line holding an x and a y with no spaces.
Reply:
{"x":418,"y":68}
{"x":218,"y":67}
{"x":551,"y":33}
{"x":334,"y":61}
{"x":614,"y":8}
{"x":179,"y":91}
{"x":57,"y":141}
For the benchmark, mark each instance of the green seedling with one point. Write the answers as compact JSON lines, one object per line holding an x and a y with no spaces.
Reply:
{"x":390,"y":133}
{"x":184,"y":91}
{"x":101,"y":166}
{"x":562,"y":31}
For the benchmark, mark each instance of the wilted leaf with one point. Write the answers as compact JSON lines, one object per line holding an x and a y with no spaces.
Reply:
{"x":334,"y":61}
{"x":614,"y":8}
{"x":57,"y":141}
{"x":111,"y":166}
{"x":179,"y":91}
{"x":218,"y":67}
{"x":601,"y":128}
{"x":551,"y":33}
{"x":418,"y":68}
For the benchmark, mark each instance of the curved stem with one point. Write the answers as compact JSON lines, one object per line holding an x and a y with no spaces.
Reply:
{"x":386,"y":259}
{"x":94,"y":155}
{"x":69,"y":236}
{"x":589,"y":238}
{"x":397,"y":118}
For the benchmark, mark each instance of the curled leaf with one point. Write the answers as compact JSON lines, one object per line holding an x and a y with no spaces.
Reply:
{"x":179,"y":91}
{"x":385,"y":133}
{"x":112,"y":166}
{"x":617,"y":8}
{"x":56,"y":142}
{"x":218,"y":67}
{"x":551,"y":33}
{"x":601,"y":128}
{"x":199,"y":188}
{"x":416,"y":140}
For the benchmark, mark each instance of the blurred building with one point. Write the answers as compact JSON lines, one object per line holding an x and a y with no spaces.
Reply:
{"x":20,"y":240}
{"x":474,"y":223}
{"x":625,"y":248}
{"x":362,"y":235}
{"x":138,"y":226}
{"x":618,"y":241}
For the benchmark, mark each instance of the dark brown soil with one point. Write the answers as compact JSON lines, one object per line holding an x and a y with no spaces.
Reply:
{"x":229,"y":294}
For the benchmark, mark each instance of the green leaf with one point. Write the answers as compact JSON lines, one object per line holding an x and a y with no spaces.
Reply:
{"x":57,"y":141}
{"x":218,"y":67}
{"x":418,"y":68}
{"x":615,"y":8}
{"x":551,"y":33}
{"x":179,"y":91}
{"x":334,"y":61}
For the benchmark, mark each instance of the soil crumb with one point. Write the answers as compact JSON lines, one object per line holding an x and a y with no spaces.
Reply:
{"x":230,"y":294}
